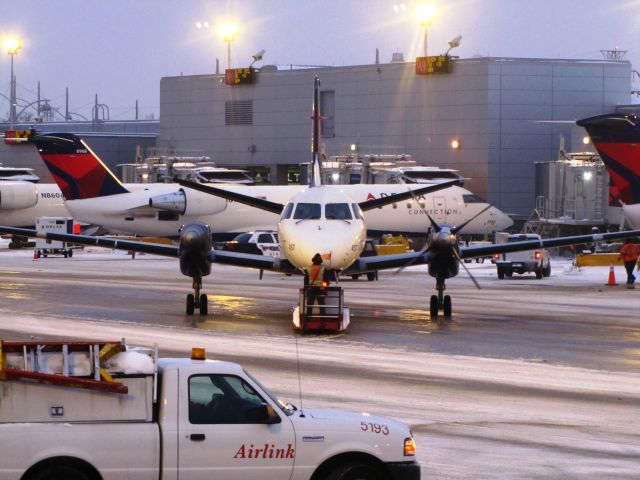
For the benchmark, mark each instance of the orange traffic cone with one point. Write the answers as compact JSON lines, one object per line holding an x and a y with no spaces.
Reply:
{"x":612,"y":277}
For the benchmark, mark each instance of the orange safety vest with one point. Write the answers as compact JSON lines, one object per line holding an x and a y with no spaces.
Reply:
{"x":316,"y":275}
{"x":629,"y":252}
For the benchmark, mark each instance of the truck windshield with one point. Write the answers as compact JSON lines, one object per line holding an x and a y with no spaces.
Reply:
{"x":286,"y":408}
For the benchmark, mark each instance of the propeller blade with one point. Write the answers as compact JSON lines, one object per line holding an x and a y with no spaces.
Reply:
{"x":422,"y":251}
{"x":434,"y":224}
{"x":466,"y":269}
{"x":456,"y":229}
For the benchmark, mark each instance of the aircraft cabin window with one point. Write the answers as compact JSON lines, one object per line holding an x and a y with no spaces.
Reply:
{"x":307,"y":211}
{"x":286,"y":213}
{"x":337,"y":211}
{"x":356,"y":211}
{"x":472,"y":199}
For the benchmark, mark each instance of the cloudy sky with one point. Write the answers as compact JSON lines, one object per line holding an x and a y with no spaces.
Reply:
{"x":120,"y":49}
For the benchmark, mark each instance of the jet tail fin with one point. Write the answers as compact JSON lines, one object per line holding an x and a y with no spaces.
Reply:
{"x":616,"y":136}
{"x":76,"y":169}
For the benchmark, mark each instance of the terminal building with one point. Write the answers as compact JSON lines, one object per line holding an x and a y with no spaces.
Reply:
{"x":502,"y":115}
{"x":489,"y":118}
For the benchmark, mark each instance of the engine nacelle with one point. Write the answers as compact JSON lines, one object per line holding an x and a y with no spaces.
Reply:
{"x":189,"y":202}
{"x":17,"y":195}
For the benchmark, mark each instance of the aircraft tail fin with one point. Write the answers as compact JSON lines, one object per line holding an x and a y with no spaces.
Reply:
{"x":616,"y":136}
{"x":76,"y":169}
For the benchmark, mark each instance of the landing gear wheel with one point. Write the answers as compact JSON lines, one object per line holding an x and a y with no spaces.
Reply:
{"x":204,"y":305}
{"x":70,"y":253}
{"x":446,"y":306}
{"x":191,"y":304}
{"x":433,"y":307}
{"x":355,"y":277}
{"x":371,"y":276}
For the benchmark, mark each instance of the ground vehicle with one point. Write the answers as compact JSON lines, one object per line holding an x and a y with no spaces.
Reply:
{"x":479,"y":243}
{"x":208,"y":419}
{"x":536,"y":261}
{"x":46,"y":247}
{"x":261,"y":242}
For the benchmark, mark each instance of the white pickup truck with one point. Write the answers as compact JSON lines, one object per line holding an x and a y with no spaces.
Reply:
{"x":537,"y":261}
{"x":211,"y":420}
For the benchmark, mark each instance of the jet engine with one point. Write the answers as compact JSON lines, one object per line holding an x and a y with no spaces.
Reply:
{"x":17,"y":195}
{"x":189,"y":202}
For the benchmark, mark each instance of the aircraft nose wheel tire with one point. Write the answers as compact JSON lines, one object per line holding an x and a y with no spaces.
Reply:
{"x":204,"y":305}
{"x":191,"y":304}
{"x":433,"y":307}
{"x":446,"y":306}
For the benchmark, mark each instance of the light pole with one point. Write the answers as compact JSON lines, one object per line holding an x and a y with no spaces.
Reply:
{"x":425,"y":14}
{"x":229,"y":32}
{"x":13,"y":46}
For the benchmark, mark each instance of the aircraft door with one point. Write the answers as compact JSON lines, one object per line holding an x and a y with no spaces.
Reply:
{"x":217,"y":440}
{"x":439,"y":209}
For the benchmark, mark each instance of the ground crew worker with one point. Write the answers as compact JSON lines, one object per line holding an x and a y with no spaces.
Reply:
{"x":316,"y":278}
{"x":629,"y":255}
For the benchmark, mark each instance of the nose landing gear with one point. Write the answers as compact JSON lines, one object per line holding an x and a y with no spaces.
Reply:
{"x":440,"y":301}
{"x":196,"y":300}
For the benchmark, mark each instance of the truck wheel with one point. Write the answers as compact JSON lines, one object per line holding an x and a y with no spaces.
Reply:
{"x":371,"y":276}
{"x":354,"y":471}
{"x":500,"y":273}
{"x":547,"y":271}
{"x":355,"y":277}
{"x":60,"y":472}
{"x":539,"y":273}
{"x":70,"y":252}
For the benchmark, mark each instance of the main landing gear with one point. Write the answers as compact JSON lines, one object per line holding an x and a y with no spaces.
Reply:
{"x":440,"y":301}
{"x":196,"y":300}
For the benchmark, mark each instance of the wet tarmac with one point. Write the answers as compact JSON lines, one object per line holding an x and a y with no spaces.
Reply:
{"x":528,"y":379}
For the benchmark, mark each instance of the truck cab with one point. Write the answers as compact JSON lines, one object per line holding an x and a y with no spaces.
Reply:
{"x":536,"y":260}
{"x":208,"y":420}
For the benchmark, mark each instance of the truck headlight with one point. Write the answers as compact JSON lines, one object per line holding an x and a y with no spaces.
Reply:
{"x":409,"y":447}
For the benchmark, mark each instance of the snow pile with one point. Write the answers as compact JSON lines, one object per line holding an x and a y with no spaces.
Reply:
{"x":131,"y":362}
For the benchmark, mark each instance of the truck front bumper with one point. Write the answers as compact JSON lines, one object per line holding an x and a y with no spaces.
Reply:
{"x":403,"y":470}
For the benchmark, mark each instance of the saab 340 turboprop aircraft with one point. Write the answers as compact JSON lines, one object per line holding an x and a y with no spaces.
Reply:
{"x":318,"y":219}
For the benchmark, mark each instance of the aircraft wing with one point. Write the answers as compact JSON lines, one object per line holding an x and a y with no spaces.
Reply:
{"x":398,"y":197}
{"x":260,"y":203}
{"x":480,"y":251}
{"x":248,"y":260}
{"x":384,"y":262}
{"x":262,"y":262}
{"x":107,"y":242}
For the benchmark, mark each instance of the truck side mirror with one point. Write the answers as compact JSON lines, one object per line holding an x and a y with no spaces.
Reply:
{"x":263,"y":414}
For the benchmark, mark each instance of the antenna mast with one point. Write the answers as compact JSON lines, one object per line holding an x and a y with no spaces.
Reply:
{"x":315,"y":141}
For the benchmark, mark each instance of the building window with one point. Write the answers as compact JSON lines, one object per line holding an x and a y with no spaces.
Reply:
{"x":327,"y":110}
{"x":238,"y":112}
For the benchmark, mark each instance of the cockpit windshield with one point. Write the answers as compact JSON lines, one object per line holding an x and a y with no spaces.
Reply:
{"x":337,"y":211}
{"x":286,"y":213}
{"x":306,"y":211}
